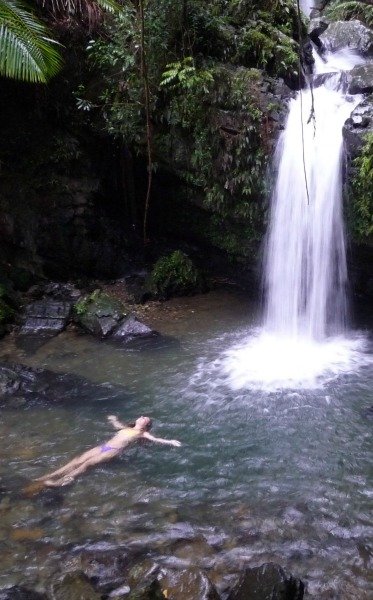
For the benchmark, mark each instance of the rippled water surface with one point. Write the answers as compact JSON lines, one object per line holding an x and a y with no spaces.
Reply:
{"x":262,"y":475}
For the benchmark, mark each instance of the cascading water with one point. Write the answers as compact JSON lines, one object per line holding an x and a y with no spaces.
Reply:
{"x":303,"y":336}
{"x":305,"y":266}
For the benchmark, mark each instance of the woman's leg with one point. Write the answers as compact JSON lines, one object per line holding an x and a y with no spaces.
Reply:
{"x":70,"y":476}
{"x":75,"y":462}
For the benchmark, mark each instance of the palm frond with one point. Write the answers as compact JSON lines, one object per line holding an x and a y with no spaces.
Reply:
{"x":79,"y":8}
{"x":26,"y":52}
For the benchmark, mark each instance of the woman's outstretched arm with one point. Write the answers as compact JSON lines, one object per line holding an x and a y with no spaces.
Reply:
{"x":150,"y":437}
{"x":115,"y":422}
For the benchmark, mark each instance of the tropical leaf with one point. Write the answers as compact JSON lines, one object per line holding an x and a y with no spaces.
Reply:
{"x":84,"y":10}
{"x":26,"y":51}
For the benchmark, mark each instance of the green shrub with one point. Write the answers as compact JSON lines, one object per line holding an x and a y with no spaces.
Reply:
{"x":361,"y":205}
{"x":341,"y":10}
{"x":175,"y":275}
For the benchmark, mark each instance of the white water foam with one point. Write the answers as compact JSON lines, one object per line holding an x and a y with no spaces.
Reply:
{"x":270,"y":362}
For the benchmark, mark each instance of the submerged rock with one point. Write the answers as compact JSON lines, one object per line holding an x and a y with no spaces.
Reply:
{"x":188,"y":584}
{"x":17,"y":378}
{"x":106,"y":569}
{"x":348,"y":34}
{"x":36,"y":386}
{"x":147,"y":591}
{"x":21,"y":593}
{"x":73,"y":586}
{"x":267,"y":582}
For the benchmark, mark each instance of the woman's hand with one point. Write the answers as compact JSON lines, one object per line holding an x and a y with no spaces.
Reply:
{"x":175,"y":443}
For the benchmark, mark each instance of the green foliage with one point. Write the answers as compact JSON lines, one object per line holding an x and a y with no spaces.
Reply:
{"x":26,"y":52}
{"x":262,"y":45}
{"x":175,"y":275}
{"x":184,"y":75}
{"x":361,"y":205}
{"x":342,"y":10}
{"x":209,"y":122}
{"x":81,"y":307}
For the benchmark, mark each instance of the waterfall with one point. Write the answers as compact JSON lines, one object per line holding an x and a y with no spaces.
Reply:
{"x":305,"y":264}
{"x":303,"y":340}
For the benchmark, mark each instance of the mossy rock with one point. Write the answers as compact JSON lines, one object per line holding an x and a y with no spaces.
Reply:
{"x":176,"y":275}
{"x":99,"y":313}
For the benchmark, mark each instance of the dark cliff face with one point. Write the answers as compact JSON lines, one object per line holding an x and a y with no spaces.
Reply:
{"x":74,"y":181}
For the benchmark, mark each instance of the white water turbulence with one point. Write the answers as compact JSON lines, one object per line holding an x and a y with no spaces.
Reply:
{"x":306,"y":6}
{"x":304,"y":341}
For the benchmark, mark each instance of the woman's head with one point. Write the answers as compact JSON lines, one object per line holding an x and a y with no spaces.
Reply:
{"x":143,"y":423}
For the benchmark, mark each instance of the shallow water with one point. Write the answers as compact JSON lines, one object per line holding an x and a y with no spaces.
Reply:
{"x":282,"y":475}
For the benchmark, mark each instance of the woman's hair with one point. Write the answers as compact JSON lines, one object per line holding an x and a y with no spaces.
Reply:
{"x":146,"y":428}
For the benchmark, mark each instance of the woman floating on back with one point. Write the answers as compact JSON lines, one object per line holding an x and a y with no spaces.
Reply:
{"x":126,"y":435}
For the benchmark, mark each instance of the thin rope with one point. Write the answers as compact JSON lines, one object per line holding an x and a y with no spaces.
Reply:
{"x":301,"y":102}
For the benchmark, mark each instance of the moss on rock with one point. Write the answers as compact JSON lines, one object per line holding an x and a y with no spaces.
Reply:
{"x":99,"y":313}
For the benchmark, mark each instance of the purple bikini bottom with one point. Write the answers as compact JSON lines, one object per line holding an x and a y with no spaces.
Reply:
{"x":107,"y":448}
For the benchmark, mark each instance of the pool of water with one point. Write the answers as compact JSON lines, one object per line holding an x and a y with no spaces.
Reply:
{"x":279,"y":475}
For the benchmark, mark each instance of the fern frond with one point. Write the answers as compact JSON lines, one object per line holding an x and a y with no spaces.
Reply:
{"x":26,"y":51}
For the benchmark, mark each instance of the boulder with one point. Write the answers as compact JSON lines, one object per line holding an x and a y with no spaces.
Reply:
{"x":267,"y":582}
{"x":360,"y":79}
{"x":46,"y":317}
{"x":131,"y":328}
{"x":348,"y":34}
{"x":99,"y":313}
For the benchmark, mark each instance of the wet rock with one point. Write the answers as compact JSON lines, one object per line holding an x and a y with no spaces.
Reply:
{"x":99,"y":313}
{"x":73,"y":586}
{"x":146,"y":570}
{"x":39,"y":386}
{"x":124,"y":590}
{"x":46,"y":317}
{"x":356,"y":127}
{"x":348,"y":34}
{"x":360,"y":79}
{"x":105,"y":569}
{"x":267,"y":582}
{"x":130,"y":328}
{"x":147,"y":591}
{"x":65,"y":292}
{"x":16,"y":378}
{"x":187,"y":584}
{"x":316,"y":28}
{"x":20,"y":593}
